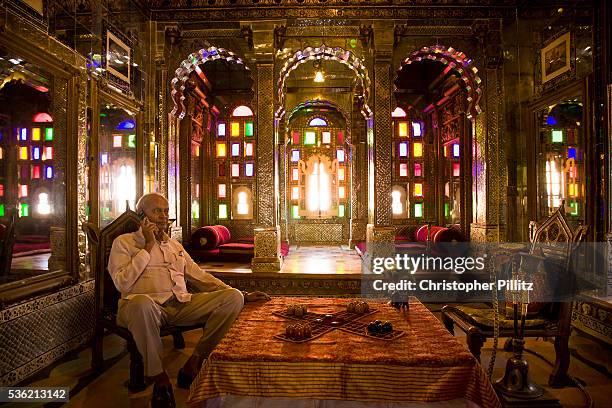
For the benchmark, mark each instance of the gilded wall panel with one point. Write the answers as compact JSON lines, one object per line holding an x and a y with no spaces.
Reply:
{"x":382,"y":142}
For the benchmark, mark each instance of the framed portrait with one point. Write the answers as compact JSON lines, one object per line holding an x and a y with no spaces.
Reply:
{"x":118,"y":58}
{"x":555,"y":58}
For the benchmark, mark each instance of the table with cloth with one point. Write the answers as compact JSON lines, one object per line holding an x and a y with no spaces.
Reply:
{"x":252,"y":368}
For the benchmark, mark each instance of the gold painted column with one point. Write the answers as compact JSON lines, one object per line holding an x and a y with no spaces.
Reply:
{"x":379,"y":150}
{"x":267,"y":237}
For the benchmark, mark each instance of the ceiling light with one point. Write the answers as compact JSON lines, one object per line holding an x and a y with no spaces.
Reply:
{"x":319,"y":77}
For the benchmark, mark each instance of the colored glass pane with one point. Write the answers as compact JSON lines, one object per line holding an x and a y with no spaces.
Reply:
{"x":49,"y":134}
{"x":23,"y":190}
{"x":117,"y":140}
{"x":326,"y":137}
{"x":574,"y":207}
{"x":223,"y":211}
{"x":295,"y":193}
{"x":126,"y":125}
{"x":242,"y":111}
{"x":295,"y":138}
{"x":416,"y":129}
{"x":340,"y":155}
{"x":557,"y":136}
{"x":235,"y":129}
{"x":36,"y":153}
{"x":42,"y":117}
{"x":317,"y":122}
{"x":341,"y":173}
{"x":456,"y":150}
{"x":248,"y":129}
{"x":248,"y":149}
{"x":571,"y":153}
{"x":35,"y":172}
{"x":295,"y":174}
{"x":49,"y":172}
{"x":418,"y":210}
{"x":36,"y":134}
{"x":417,"y":149}
{"x":295,"y":155}
{"x":403,"y":170}
{"x":24,"y":210}
{"x":398,"y":113}
{"x":1,"y":190}
{"x":456,"y":170}
{"x":446,"y":209}
{"x":235,"y":170}
{"x":22,"y":134}
{"x":195,"y":210}
{"x":310,"y":138}
{"x":24,"y":173}
{"x":222,"y":191}
{"x":221,"y":129}
{"x":295,"y":211}
{"x":235,"y":149}
{"x":221,"y":150}
{"x":1,"y":210}
{"x":132,"y":141}
{"x":340,"y":137}
{"x":23,"y":153}
{"x":403,"y":149}
{"x":1,"y":154}
{"x":341,"y":210}
{"x":418,"y":170}
{"x":403,"y":129}
{"x":48,"y":153}
{"x":418,"y":189}
{"x":341,"y":192}
{"x":445,"y":151}
{"x":249,"y":169}
{"x":104,"y":159}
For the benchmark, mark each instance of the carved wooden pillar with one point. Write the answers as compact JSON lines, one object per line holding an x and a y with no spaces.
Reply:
{"x":267,"y":238}
{"x":379,"y":133}
{"x":359,"y":177}
{"x":489,"y":161}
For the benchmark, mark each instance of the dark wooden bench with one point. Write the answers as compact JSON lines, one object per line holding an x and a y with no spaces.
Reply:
{"x":107,"y":297}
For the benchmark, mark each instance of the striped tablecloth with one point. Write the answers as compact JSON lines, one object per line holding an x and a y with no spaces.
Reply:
{"x":426,"y":364}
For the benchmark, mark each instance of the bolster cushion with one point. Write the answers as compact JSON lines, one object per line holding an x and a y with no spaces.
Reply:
{"x":205,"y":238}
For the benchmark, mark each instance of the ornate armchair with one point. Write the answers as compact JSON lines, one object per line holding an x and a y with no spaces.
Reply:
{"x":552,"y":241}
{"x":107,"y":296}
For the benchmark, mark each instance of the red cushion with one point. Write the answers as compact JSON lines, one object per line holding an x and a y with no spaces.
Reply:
{"x":204,"y":255}
{"x":284,"y":249}
{"x":360,"y":248}
{"x":237,"y":248}
{"x":205,"y":238}
{"x":401,"y":238}
{"x":224,"y":234}
{"x":24,"y":247}
{"x":447,"y":235}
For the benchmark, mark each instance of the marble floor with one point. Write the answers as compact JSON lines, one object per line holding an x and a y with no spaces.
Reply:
{"x":108,"y":389}
{"x":304,"y":259}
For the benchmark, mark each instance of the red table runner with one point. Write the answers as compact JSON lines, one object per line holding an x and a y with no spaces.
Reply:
{"x":425,"y":364}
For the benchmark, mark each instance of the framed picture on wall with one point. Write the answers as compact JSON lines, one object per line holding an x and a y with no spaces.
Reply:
{"x":555,"y":58}
{"x":118,"y":59}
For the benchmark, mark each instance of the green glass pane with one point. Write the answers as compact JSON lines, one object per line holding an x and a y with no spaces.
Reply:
{"x":223,"y":211}
{"x":132,"y":141}
{"x":295,"y":212}
{"x":310,"y":138}
{"x":446,"y":209}
{"x":24,"y":210}
{"x":341,"y":210}
{"x":418,"y":210}
{"x":248,"y":129}
{"x":1,"y":210}
{"x":49,"y":134}
{"x":195,"y":210}
{"x":557,"y":136}
{"x":574,"y":207}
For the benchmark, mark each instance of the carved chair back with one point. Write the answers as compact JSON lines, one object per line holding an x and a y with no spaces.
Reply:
{"x":107,"y":294}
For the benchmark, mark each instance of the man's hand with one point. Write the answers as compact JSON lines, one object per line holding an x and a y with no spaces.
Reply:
{"x":256,"y":296}
{"x":149,"y":230}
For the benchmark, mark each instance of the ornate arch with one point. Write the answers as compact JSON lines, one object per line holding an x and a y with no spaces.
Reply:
{"x":190,"y":64}
{"x":459,"y":62}
{"x":328,"y":53}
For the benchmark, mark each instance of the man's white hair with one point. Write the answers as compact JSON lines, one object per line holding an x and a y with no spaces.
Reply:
{"x":144,"y":200}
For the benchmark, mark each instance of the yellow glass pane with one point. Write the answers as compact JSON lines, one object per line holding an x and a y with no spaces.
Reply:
{"x":418,"y":149}
{"x":418,"y":189}
{"x":221,"y":150}
{"x":403,"y":129}
{"x":341,"y":173}
{"x":23,"y":153}
{"x":36,"y":134}
{"x":235,"y":129}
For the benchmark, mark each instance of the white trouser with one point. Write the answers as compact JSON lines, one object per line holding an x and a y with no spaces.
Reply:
{"x":144,"y":318}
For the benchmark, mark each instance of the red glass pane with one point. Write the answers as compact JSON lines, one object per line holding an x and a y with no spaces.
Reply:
{"x":340,"y":137}
{"x":221,"y":169}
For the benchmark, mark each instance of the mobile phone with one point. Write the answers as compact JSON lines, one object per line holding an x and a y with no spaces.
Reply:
{"x":141,"y":215}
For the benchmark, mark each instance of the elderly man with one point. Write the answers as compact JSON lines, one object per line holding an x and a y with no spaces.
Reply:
{"x":150,"y":270}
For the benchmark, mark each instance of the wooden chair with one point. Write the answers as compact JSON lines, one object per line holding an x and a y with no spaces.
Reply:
{"x":107,"y":297}
{"x":7,"y":241}
{"x":553,"y":241}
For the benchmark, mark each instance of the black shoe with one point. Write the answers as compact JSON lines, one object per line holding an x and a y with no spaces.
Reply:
{"x":163,"y":397}
{"x":183,"y":380}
